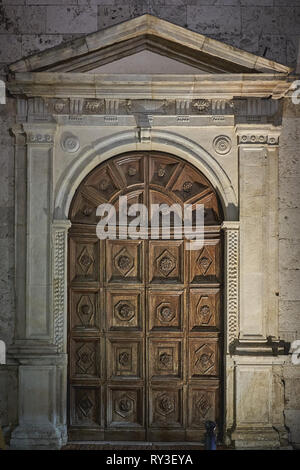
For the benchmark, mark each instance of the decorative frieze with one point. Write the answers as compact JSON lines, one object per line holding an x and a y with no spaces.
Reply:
{"x":246,"y":110}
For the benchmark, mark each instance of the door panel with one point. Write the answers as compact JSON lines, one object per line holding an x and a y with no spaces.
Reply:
{"x":145,"y":316}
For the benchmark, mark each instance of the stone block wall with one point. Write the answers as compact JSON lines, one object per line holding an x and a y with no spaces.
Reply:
{"x":270,"y":28}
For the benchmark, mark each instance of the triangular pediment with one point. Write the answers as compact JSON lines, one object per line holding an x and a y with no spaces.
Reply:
{"x":122,"y":49}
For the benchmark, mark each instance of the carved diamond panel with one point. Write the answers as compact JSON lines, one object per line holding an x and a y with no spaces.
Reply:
{"x":205,"y":309}
{"x":124,"y":309}
{"x":125,"y":359}
{"x":203,"y":405}
{"x":85,"y":406}
{"x":125,"y":406}
{"x":165,"y":359}
{"x":166,"y":310}
{"x":124,"y":261}
{"x":86,"y":255}
{"x":166,"y":407}
{"x":85,"y":358}
{"x":205,"y":264}
{"x":166,"y":262}
{"x":203,"y":358}
{"x":85,"y":310}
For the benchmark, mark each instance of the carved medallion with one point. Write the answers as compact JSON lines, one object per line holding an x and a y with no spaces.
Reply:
{"x":204,"y":261}
{"x":124,"y":358}
{"x":204,"y":314}
{"x":124,"y":406}
{"x":166,"y":314}
{"x":86,"y":211}
{"x":204,"y":359}
{"x":201,"y":105}
{"x":125,"y":311}
{"x":70,"y":143}
{"x":165,"y":359}
{"x":166,"y":263}
{"x":165,"y":404}
{"x":124,"y":262}
{"x":85,"y":260}
{"x":222,"y":144}
{"x":104,"y":184}
{"x":187,"y":186}
{"x":161,"y":172}
{"x":132,"y":171}
{"x":85,"y":310}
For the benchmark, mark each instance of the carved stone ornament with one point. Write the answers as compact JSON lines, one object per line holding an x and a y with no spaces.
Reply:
{"x":200,"y":105}
{"x":40,"y":138}
{"x":70,"y":143}
{"x":222,"y":144}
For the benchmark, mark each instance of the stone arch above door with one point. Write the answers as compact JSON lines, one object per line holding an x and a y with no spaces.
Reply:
{"x":161,"y":140}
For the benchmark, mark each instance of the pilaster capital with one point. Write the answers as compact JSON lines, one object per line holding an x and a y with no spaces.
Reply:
{"x":230,"y":225}
{"x":40,"y":134}
{"x":253,"y":135}
{"x":61,"y":224}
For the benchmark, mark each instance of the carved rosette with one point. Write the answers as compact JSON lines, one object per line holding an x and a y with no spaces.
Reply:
{"x":165,"y":404}
{"x":70,"y":143}
{"x":222,"y":144}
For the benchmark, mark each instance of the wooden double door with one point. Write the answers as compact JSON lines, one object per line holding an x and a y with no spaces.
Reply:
{"x":145,"y":316}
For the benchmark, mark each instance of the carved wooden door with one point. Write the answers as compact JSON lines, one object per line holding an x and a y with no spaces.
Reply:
{"x":145,"y":315}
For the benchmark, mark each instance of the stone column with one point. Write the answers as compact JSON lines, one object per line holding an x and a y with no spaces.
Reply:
{"x":38,"y":347}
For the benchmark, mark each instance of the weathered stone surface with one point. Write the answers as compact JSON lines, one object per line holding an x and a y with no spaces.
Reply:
{"x":23,"y":19}
{"x":80,"y":19}
{"x":11,"y":49}
{"x":110,"y":15}
{"x":289,"y":316}
{"x":292,"y":419}
{"x":210,"y":19}
{"x":289,"y":193}
{"x":289,"y":224}
{"x":289,"y":252}
{"x":289,"y":282}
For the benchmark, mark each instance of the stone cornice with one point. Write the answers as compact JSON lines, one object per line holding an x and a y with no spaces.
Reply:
{"x":146,"y":32}
{"x":188,"y":87}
